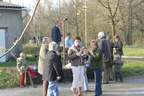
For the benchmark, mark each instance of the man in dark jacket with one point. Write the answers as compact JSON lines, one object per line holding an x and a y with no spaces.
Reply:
{"x":56,"y":35}
{"x":106,"y":55}
{"x":52,"y":71}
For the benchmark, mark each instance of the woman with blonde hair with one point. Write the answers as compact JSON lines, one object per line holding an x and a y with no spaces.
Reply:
{"x":23,"y":68}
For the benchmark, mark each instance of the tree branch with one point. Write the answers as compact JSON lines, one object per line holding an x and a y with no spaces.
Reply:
{"x":103,"y":4}
{"x":116,"y":8}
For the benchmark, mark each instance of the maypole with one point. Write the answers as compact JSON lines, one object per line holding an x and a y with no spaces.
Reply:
{"x":17,"y":41}
{"x":63,"y":30}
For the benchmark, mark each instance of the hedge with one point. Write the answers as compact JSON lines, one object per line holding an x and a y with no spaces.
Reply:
{"x":34,"y":50}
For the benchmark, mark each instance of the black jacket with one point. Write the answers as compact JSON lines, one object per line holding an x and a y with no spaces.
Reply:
{"x":51,"y":67}
{"x":56,"y":35}
{"x":105,"y":48}
{"x":119,"y":47}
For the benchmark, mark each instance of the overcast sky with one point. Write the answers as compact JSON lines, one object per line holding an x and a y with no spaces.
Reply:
{"x":30,"y":4}
{"x":26,"y":3}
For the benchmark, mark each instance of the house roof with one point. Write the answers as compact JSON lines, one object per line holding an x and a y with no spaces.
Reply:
{"x":9,"y":5}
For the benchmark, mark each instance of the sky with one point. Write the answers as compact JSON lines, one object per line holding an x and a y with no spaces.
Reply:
{"x":30,"y":3}
{"x":26,"y":3}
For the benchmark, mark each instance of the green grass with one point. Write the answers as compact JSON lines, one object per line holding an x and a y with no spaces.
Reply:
{"x":8,"y":80}
{"x":30,"y":61}
{"x":134,"y":51}
{"x":133,"y":68}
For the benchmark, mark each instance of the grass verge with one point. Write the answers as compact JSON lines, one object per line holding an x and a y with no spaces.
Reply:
{"x":133,"y":68}
{"x":134,"y":51}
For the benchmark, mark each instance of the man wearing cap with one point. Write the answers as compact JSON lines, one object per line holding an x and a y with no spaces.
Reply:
{"x":105,"y":48}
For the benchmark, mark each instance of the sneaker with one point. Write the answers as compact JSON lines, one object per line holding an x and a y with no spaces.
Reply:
{"x":71,"y":89}
{"x":88,"y":90}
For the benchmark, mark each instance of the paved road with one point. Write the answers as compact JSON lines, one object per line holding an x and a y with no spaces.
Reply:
{"x":132,"y":86}
{"x":133,"y":58}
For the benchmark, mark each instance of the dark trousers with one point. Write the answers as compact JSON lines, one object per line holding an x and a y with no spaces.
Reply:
{"x":105,"y":72}
{"x":98,"y":81}
{"x":118,"y":75}
{"x":111,"y":74}
{"x":45,"y":87}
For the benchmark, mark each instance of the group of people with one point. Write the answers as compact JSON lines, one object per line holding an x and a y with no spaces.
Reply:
{"x":100,"y":59}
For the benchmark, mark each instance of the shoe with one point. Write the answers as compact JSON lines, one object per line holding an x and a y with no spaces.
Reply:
{"x":80,"y":94}
{"x":105,"y":83}
{"x":71,"y":89}
{"x":34,"y":77}
{"x":88,"y":90}
{"x":34,"y":86}
{"x":21,"y":86}
{"x":97,"y":95}
{"x":111,"y":79}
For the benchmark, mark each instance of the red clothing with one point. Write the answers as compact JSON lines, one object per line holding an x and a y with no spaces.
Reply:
{"x":23,"y":76}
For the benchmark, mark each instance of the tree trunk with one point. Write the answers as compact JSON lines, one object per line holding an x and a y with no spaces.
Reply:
{"x":142,"y":36}
{"x":130,"y":25}
{"x":113,"y":27}
{"x":77,"y":26}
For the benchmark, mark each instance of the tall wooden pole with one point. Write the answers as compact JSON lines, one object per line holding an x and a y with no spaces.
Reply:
{"x":63,"y":31}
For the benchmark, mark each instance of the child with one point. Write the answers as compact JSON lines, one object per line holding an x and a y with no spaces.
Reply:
{"x":118,"y":68}
{"x":87,"y":62}
{"x":23,"y":68}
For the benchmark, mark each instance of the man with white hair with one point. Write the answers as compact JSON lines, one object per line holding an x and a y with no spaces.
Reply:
{"x":105,"y":48}
{"x":51,"y":71}
{"x":42,"y":54}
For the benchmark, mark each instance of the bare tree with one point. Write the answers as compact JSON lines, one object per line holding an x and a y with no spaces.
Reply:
{"x":112,"y":14}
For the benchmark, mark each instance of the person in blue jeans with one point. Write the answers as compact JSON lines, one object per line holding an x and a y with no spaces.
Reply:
{"x":87,"y":62}
{"x":51,"y":71}
{"x":53,"y":89}
{"x":96,"y":65}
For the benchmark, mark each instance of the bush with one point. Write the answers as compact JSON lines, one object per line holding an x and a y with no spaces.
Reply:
{"x":34,"y":50}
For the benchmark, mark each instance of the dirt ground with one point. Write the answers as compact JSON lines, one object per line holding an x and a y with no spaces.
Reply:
{"x":131,"y":86}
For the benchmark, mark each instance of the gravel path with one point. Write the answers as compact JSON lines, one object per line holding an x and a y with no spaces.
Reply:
{"x":132,"y":86}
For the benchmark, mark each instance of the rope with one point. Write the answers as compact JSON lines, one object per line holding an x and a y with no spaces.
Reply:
{"x":17,"y":41}
{"x":13,"y":55}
